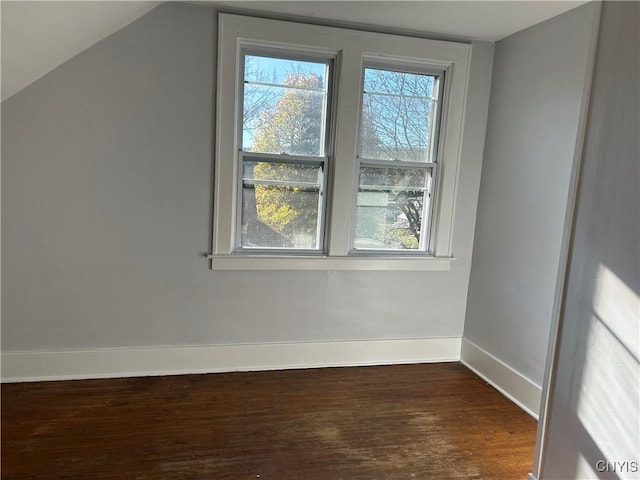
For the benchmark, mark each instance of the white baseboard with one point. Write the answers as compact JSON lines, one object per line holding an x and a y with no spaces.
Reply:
{"x":504,"y":378}
{"x":33,"y":366}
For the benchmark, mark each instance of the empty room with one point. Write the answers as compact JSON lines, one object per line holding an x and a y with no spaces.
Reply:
{"x":324,"y":240}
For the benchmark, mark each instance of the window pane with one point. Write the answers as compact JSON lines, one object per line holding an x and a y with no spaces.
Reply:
{"x":390,"y":208}
{"x":284,"y":106}
{"x":281,"y":203}
{"x":398,"y":115}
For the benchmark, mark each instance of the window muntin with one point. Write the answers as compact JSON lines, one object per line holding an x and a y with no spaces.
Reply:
{"x":396,"y":161}
{"x":283,"y":130}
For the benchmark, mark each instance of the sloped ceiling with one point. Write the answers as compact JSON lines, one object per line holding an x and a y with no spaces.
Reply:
{"x":37,"y":36}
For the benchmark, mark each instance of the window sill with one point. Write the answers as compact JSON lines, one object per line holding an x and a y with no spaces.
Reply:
{"x":371,"y":263}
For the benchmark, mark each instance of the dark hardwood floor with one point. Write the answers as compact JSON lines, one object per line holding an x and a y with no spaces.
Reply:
{"x":433,"y":421}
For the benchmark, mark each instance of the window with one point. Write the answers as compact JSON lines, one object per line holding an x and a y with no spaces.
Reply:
{"x":335,"y":149}
{"x":396,"y":161}
{"x":282,"y":160}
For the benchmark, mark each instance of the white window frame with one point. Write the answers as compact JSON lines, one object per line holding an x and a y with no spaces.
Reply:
{"x":430,"y":165}
{"x":321,"y":160}
{"x":352,"y":50}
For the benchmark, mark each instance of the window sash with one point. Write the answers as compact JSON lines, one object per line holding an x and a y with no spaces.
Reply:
{"x":437,"y":98}
{"x":321,"y":186}
{"x":427,"y":205}
{"x":300,"y":55}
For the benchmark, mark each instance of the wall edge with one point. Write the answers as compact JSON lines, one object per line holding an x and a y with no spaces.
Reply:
{"x":508,"y":381}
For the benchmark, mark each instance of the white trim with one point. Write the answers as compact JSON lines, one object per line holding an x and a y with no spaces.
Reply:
{"x":133,"y":362}
{"x":531,"y":476}
{"x":355,"y":262}
{"x":511,"y":383}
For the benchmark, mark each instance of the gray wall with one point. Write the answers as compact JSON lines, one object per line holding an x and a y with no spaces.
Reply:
{"x":594,"y":406}
{"x":537,"y":93}
{"x":106,"y":213}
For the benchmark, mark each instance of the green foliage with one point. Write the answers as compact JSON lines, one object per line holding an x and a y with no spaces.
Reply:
{"x":291,"y":127}
{"x":405,"y":237}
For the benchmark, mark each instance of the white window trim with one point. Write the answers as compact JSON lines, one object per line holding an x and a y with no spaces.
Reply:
{"x":351,"y":49}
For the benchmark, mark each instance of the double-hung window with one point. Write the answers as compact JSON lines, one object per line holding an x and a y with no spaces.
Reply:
{"x":396,"y":158}
{"x":335,"y":149}
{"x":283,"y":162}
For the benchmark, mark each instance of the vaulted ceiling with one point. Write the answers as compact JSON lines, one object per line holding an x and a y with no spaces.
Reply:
{"x":38,"y":36}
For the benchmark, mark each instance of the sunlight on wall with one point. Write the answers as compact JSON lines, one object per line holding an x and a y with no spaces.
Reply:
{"x":619,"y":308}
{"x":608,"y":411}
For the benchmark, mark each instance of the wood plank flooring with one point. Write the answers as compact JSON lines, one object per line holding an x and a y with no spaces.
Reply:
{"x":433,"y":421}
